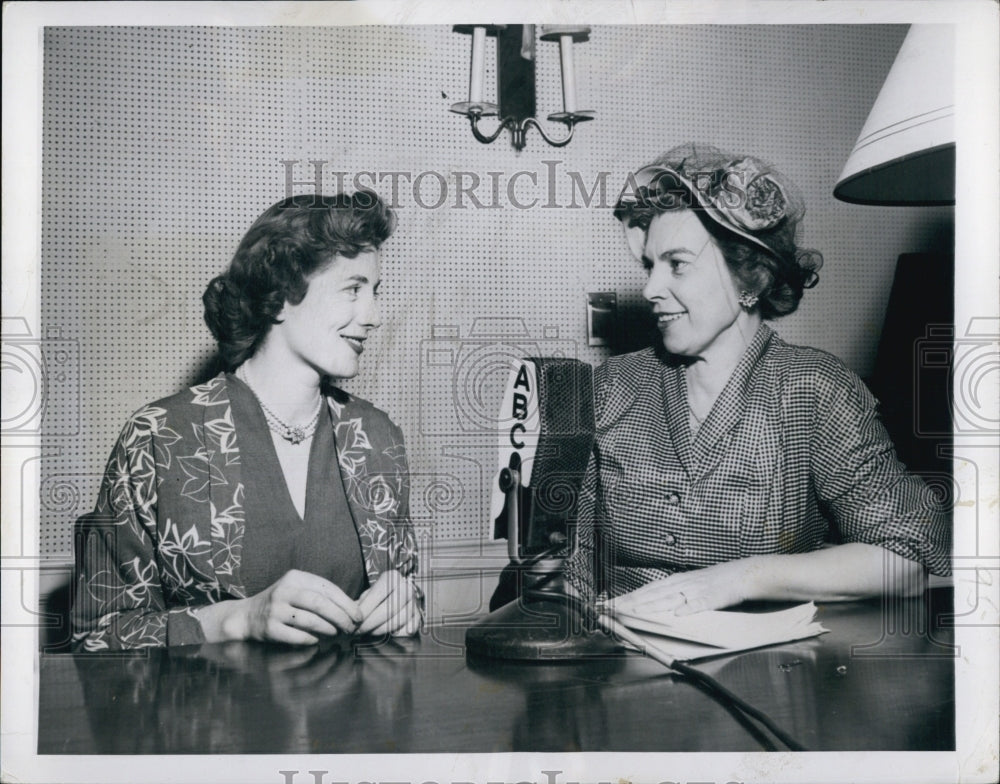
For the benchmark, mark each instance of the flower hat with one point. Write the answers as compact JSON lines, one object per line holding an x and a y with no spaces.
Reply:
{"x":744,"y":195}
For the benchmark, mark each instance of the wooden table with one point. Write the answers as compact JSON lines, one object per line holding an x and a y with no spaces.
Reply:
{"x":882,"y":679}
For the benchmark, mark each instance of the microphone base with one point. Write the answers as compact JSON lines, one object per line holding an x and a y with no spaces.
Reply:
{"x":536,"y":628}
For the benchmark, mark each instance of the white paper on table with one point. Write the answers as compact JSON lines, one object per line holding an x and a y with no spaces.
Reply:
{"x":725,"y":630}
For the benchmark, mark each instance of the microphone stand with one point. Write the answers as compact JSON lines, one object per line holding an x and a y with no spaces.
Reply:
{"x":543,"y":622}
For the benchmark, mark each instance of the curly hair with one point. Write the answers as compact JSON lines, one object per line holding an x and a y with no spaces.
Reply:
{"x":778,"y":277}
{"x":763,"y":257}
{"x":292,"y":240}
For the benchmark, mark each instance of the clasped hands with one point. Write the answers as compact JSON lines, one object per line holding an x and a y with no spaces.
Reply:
{"x":301,"y":608}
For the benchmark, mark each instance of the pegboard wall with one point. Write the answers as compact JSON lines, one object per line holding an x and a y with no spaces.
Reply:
{"x":162,"y":145}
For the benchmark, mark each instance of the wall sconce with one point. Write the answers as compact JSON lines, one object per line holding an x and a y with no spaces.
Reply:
{"x":516,"y":81}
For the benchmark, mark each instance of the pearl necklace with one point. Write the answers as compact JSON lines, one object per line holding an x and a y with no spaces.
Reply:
{"x":295,"y":434}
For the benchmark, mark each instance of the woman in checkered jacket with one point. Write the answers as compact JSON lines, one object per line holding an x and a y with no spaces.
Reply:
{"x":727,"y":461}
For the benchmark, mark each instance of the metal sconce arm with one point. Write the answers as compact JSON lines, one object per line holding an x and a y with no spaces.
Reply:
{"x":516,"y":83}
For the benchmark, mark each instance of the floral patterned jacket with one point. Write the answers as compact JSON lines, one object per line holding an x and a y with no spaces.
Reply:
{"x":166,"y":534}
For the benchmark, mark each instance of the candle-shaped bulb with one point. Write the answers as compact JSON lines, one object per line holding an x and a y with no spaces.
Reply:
{"x":478,"y":76}
{"x":568,"y":76}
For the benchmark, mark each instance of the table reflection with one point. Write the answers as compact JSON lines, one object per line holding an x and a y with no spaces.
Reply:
{"x":872,"y":683}
{"x":260,"y":698}
{"x":564,"y":702}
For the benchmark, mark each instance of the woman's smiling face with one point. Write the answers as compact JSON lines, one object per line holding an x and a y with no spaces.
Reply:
{"x":328,"y":328}
{"x":693,"y":293}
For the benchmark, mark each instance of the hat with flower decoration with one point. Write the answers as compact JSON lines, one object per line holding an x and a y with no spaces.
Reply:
{"x":742,"y":194}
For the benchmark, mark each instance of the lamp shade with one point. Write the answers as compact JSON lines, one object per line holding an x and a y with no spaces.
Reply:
{"x":906,"y":151}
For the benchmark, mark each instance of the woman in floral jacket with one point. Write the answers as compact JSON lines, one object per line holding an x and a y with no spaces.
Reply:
{"x":264,"y":504}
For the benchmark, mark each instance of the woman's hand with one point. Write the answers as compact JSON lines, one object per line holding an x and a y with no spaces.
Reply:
{"x":390,"y":606}
{"x":298,"y":609}
{"x":844,"y":572}
{"x":711,"y":588}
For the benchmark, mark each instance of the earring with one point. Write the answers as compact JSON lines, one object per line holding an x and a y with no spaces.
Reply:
{"x":747,"y":300}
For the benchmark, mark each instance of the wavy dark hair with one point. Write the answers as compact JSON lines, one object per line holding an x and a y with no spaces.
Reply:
{"x":778,"y":270}
{"x":288,"y":243}
{"x":778,"y":278}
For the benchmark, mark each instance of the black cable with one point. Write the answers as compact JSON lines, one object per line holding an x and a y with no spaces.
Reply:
{"x":707,"y":681}
{"x":753,"y":728}
{"x":744,"y":706}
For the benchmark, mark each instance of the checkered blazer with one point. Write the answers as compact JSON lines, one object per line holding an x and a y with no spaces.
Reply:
{"x":792,"y":455}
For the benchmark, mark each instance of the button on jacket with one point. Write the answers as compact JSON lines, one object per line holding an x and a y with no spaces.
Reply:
{"x":792,"y":456}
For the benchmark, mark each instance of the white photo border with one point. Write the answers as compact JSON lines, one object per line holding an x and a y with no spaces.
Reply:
{"x":977,"y":254}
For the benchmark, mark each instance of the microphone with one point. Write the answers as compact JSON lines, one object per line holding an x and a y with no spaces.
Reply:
{"x":545,"y":432}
